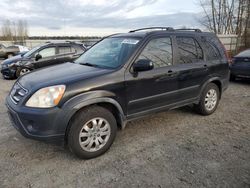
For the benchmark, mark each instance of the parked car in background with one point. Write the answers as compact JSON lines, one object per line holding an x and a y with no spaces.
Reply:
{"x":8,"y":52}
{"x":41,"y":56}
{"x":240,"y":65}
{"x":22,"y":49}
{"x":121,"y":78}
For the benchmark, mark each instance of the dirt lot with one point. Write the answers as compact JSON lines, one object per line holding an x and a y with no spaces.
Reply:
{"x":172,"y":149}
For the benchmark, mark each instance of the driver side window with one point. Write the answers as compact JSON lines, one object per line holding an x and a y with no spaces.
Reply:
{"x":48,"y":52}
{"x":159,"y":52}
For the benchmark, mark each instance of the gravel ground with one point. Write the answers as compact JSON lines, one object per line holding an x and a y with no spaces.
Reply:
{"x":172,"y":149}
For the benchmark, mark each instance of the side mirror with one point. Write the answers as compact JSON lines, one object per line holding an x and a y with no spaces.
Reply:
{"x":143,"y":65}
{"x":38,"y":56}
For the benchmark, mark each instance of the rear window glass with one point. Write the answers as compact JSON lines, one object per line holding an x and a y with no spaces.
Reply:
{"x":189,"y":50}
{"x":213,"y":52}
{"x":78,"y":49}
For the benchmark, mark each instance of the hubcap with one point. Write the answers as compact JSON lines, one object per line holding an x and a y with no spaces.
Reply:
{"x":211,"y":99}
{"x":94,"y":134}
{"x":24,"y":71}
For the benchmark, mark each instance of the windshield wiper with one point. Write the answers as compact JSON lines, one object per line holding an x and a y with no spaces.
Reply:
{"x":89,"y":64}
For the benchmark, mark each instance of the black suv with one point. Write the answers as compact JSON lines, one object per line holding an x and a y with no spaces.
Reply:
{"x":41,"y":56}
{"x":122,"y":77}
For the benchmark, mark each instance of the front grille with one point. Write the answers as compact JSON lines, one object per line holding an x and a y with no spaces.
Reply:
{"x":17,"y":93}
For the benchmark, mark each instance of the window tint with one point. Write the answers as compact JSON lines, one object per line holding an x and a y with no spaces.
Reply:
{"x":189,"y":50}
{"x":65,"y":49}
{"x":110,"y":52}
{"x":79,"y":49}
{"x":159,"y":51}
{"x":212,"y":51}
{"x":47,"y":52}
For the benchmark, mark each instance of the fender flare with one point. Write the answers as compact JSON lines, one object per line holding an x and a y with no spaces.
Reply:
{"x":209,"y":81}
{"x":70,"y":107}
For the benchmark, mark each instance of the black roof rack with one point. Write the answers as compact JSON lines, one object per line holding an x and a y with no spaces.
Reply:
{"x":196,"y":30}
{"x":148,"y":28}
{"x":70,"y":41}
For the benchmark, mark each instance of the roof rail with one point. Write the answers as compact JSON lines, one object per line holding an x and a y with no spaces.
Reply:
{"x":148,"y":28}
{"x":70,"y":41}
{"x":196,"y":30}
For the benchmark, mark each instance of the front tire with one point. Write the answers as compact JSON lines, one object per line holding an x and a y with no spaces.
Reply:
{"x":209,"y":100}
{"x":92,"y":132}
{"x":22,"y":71}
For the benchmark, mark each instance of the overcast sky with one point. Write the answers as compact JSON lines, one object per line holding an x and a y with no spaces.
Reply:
{"x":98,"y":17}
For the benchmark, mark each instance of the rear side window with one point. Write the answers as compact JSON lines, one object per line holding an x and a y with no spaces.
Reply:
{"x":189,"y":50}
{"x":79,"y":49}
{"x":213,"y":52}
{"x":65,"y":49}
{"x":158,"y":51}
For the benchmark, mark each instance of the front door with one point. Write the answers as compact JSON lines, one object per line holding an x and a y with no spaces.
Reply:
{"x":155,"y":88}
{"x":48,"y":57}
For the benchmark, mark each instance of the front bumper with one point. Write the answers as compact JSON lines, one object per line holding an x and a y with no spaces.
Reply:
{"x":8,"y":73}
{"x":38,"y":124}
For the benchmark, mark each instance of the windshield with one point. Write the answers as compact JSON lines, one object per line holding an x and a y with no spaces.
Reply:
{"x":109,"y":53}
{"x":29,"y":53}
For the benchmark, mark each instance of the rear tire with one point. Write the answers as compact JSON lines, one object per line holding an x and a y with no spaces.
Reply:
{"x":92,"y":132}
{"x":209,"y":100}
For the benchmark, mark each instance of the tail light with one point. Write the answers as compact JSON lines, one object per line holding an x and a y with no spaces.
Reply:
{"x":229,"y":60}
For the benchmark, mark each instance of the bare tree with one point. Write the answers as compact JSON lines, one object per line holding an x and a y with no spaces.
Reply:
{"x":15,"y":31}
{"x":225,"y":16}
{"x":7,"y":30}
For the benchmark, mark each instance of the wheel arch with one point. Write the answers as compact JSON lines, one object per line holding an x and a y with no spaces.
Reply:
{"x":111,"y":104}
{"x":216,"y":81}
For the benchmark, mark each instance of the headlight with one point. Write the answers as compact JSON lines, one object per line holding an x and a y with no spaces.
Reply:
{"x":18,"y":63}
{"x":46,"y":97}
{"x":11,"y":64}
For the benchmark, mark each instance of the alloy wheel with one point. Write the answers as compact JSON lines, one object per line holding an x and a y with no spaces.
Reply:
{"x":94,"y":134}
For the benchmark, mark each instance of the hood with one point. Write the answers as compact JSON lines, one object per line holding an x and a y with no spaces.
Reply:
{"x":59,"y":74}
{"x":13,"y":59}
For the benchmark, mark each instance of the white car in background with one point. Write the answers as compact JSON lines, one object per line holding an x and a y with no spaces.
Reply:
{"x":22,"y":48}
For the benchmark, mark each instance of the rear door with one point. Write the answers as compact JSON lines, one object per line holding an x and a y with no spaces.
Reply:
{"x":192,"y":68}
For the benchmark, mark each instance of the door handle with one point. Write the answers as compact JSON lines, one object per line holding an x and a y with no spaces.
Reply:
{"x":205,"y":66}
{"x":171,"y":73}
{"x":166,"y":76}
